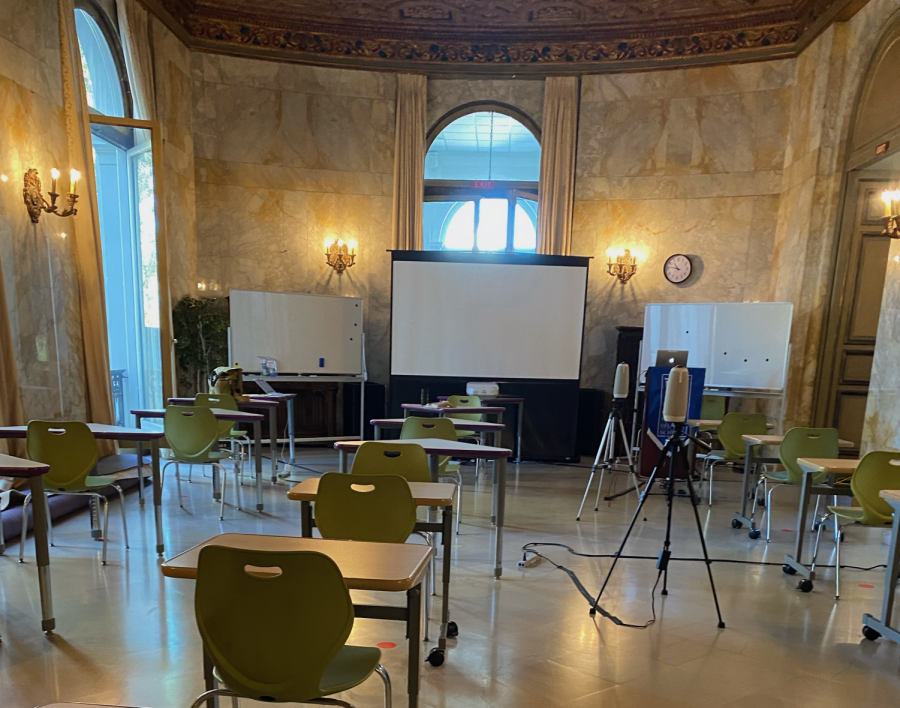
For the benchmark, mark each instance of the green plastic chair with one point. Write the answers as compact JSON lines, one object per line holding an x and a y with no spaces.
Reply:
{"x":797,"y":443}
{"x":466,"y":402}
{"x":712,"y":408}
{"x":270,"y":654}
{"x":354,"y":507}
{"x":729,"y":432}
{"x":227,"y":433}
{"x":876,"y":471}
{"x":70,"y":448}
{"x":384,"y":457}
{"x":417,"y":427}
{"x":192,"y":433}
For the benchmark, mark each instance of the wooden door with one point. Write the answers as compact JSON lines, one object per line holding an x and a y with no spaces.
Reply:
{"x":852,"y":325}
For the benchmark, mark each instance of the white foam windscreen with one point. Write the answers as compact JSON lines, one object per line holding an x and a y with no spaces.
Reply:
{"x":677,"y":390}
{"x":487,"y":320}
{"x":620,"y":387}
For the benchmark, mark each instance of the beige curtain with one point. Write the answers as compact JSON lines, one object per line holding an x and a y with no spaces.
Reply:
{"x":85,"y":228}
{"x":409,"y":163}
{"x":134,"y":29}
{"x":11,"y":412}
{"x":556,"y":193}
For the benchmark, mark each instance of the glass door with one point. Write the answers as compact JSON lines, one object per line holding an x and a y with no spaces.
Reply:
{"x":137,"y":304}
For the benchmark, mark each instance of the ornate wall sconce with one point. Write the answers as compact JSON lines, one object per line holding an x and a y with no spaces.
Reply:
{"x":891,"y":218}
{"x":621,"y":263}
{"x":34,"y":197}
{"x":340,"y":255}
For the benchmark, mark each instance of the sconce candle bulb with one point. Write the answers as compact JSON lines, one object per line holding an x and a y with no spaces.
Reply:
{"x":35,"y":203}
{"x":3,"y":178}
{"x":340,"y":255}
{"x":74,"y":176}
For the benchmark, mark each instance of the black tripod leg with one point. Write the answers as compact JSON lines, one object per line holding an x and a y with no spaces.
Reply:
{"x":637,"y":512}
{"x":670,"y":495}
{"x":712,"y":584}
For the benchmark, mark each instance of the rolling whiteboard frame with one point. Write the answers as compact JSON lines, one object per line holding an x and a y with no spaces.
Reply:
{"x":710,"y":321}
{"x":521,"y":259}
{"x":320,"y":322}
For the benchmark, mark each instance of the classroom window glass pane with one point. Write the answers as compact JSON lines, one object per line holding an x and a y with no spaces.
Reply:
{"x":102,"y":82}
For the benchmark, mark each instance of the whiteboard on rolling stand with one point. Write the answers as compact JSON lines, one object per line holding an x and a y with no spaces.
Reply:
{"x":304,"y":333}
{"x":742,"y":345}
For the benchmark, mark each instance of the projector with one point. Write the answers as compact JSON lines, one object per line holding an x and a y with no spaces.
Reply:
{"x":482,"y":388}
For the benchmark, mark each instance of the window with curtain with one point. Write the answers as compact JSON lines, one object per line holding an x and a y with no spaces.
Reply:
{"x":102,"y":64}
{"x":481,"y":185}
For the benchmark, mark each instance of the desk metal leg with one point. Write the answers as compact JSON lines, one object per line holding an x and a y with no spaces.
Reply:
{"x":342,"y":461}
{"x":446,"y":541}
{"x":41,"y":550}
{"x":273,"y":441}
{"x":498,"y":439}
{"x":414,"y":638}
{"x":140,"y":469}
{"x":209,"y":679}
{"x":500,"y":491}
{"x":157,"y":495}
{"x":796,"y":562}
{"x":749,"y":465}
{"x":257,"y":454}
{"x":306,"y":519}
{"x":520,"y":418}
{"x":892,"y":573}
{"x":377,"y":433}
{"x":290,"y":416}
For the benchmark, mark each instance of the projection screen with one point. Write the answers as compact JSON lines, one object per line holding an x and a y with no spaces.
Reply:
{"x":522,"y":319}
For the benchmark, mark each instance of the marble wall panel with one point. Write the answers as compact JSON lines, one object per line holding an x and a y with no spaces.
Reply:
{"x":286,"y":156}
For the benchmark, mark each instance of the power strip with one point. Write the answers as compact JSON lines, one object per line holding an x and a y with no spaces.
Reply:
{"x":530,"y":562}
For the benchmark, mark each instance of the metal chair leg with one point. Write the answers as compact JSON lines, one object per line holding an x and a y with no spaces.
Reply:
{"x":769,"y":512}
{"x":458,"y":503}
{"x":122,"y":507}
{"x":178,"y":483}
{"x":812,"y":566}
{"x":385,"y":677}
{"x":24,"y":534}
{"x":216,"y":470}
{"x":105,"y":527}
{"x":202,"y":698}
{"x":815,"y":517}
{"x":712,"y":466}
{"x":837,"y":562}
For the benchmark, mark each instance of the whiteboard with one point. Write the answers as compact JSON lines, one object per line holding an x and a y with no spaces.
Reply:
{"x":740,"y":344}
{"x":487,"y":319}
{"x":304,"y":333}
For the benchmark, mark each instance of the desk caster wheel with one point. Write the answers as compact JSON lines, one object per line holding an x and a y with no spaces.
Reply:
{"x":735,"y":524}
{"x":788,"y":569}
{"x":754,"y":534}
{"x":761,"y":501}
{"x":870,"y":634}
{"x":805,"y":586}
{"x":452,"y":629}
{"x":435,"y":657}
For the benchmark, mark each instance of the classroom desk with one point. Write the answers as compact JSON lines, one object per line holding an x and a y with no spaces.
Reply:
{"x":222,"y":414}
{"x":435,"y":449}
{"x":834,"y":467}
{"x":135,"y":435}
{"x":386,"y":567}
{"x":430,"y":494}
{"x":496,"y":411}
{"x":883,"y":627}
{"x":270,"y":405}
{"x":517,"y":401}
{"x":751,"y":463}
{"x":479,"y":426}
{"x":34,"y":472}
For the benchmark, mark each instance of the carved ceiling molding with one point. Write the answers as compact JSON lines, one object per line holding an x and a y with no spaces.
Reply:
{"x":436,"y":38}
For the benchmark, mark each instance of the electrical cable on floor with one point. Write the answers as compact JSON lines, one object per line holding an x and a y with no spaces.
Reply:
{"x":530,"y":548}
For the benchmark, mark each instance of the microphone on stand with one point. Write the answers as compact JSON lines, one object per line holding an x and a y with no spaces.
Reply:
{"x":676,"y":401}
{"x":620,"y":388}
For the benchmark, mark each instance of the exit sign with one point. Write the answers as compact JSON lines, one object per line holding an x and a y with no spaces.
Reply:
{"x":883,"y":148}
{"x":483,"y":184}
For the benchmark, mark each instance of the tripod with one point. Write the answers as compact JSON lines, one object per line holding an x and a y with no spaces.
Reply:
{"x":606,"y":455}
{"x":674,"y":447}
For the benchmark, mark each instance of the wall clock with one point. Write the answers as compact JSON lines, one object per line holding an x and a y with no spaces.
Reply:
{"x":677,"y":268}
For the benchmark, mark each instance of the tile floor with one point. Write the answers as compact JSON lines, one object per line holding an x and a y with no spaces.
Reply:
{"x":126,"y":635}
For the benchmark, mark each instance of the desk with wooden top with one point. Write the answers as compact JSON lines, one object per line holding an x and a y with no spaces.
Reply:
{"x":874,"y":628}
{"x":478,"y":426}
{"x":385,"y":567}
{"x":428,"y":494}
{"x":751,"y":474}
{"x":834,"y":468}
{"x":435,"y":449}
{"x":223,"y":414}
{"x":517,"y":401}
{"x":34,"y":472}
{"x":269,"y":403}
{"x":151,"y":438}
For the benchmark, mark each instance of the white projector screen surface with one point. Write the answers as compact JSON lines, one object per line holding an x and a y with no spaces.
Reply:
{"x":487,"y":320}
{"x":305,"y":334}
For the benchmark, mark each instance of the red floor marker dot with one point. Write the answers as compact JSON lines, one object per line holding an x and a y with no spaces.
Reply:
{"x":386,"y":645}
{"x":788,"y":530}
{"x":866,"y":585}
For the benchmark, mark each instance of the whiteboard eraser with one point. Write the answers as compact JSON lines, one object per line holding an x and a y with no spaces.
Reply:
{"x":321,"y":361}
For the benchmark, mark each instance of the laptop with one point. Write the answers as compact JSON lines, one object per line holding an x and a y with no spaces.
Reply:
{"x":671,"y":357}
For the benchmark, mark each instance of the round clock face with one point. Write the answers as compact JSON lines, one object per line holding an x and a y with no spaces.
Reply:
{"x":677,"y":268}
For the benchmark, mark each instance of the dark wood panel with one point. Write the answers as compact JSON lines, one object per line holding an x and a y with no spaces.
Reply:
{"x":873,"y":258}
{"x":856,"y":368}
{"x":850,"y":413}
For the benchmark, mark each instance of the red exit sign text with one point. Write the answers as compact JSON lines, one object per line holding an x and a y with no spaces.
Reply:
{"x":483,"y":184}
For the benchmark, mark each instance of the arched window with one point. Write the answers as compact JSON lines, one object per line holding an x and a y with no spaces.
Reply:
{"x":102,"y":63}
{"x":481,"y":183}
